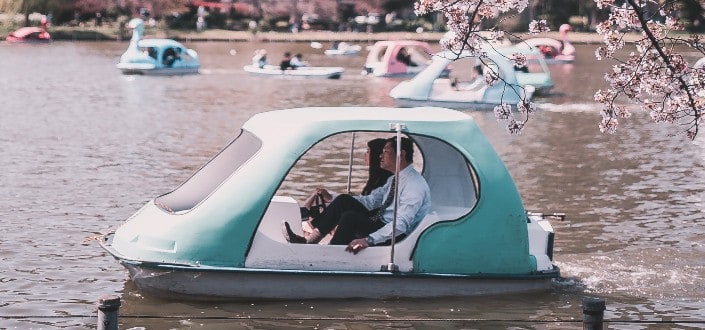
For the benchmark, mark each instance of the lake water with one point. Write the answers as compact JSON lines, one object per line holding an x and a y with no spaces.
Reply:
{"x":83,"y":147}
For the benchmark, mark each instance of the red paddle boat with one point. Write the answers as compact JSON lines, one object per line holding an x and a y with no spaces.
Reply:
{"x":30,"y":34}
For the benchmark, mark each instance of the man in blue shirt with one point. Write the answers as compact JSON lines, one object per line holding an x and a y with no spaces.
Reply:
{"x":363,"y":221}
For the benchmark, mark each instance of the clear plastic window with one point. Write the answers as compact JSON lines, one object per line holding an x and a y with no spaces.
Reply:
{"x":202,"y":183}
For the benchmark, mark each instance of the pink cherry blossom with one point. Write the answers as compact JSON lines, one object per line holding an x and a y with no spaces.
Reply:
{"x":654,"y":76}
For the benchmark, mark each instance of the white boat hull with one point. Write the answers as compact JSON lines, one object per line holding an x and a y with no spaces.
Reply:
{"x":302,"y":72}
{"x":457,"y":105}
{"x":126,"y":69}
{"x":336,"y":52}
{"x":242,"y":283}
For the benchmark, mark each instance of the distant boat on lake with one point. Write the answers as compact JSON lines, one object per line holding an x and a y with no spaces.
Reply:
{"x":156,"y":56}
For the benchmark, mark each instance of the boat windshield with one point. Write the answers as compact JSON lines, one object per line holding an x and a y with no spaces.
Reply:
{"x":419,"y":55}
{"x":202,"y":183}
{"x":379,"y":55}
{"x":331,"y":158}
{"x":534,"y":64}
{"x":451,"y":177}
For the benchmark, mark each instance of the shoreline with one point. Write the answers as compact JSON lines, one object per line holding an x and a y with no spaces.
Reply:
{"x":63,"y":33}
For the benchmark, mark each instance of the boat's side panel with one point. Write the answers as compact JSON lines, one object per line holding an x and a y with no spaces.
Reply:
{"x":171,"y":71}
{"x":495,"y":230}
{"x":310,"y":285}
{"x":303,"y":72}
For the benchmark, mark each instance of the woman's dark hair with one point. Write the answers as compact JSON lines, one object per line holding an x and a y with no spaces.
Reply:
{"x":377,"y":176}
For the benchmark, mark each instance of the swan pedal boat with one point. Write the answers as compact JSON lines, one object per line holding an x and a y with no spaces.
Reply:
{"x":30,"y":34}
{"x":554,"y":51}
{"x":156,"y":56}
{"x":430,"y":87}
{"x":329,"y":72}
{"x":211,"y":239}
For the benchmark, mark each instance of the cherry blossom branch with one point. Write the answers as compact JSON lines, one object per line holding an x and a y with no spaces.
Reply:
{"x":656,"y":76}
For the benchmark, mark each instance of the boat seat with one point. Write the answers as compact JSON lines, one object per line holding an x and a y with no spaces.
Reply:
{"x":269,"y":248}
{"x":442,"y":90}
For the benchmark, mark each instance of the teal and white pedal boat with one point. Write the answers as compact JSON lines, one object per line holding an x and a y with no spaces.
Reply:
{"x":218,"y":235}
{"x":156,"y":56}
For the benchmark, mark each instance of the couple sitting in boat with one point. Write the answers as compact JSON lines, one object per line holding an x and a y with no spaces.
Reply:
{"x":367,"y":220}
{"x":289,"y":62}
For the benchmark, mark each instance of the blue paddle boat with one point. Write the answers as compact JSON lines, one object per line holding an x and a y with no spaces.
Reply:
{"x":218,"y":235}
{"x":156,"y":56}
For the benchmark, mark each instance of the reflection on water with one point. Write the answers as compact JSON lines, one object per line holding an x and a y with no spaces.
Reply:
{"x":83,"y":147}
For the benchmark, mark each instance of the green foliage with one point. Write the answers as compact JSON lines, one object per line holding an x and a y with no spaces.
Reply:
{"x":60,"y":33}
{"x":215,"y":19}
{"x":396,"y":5}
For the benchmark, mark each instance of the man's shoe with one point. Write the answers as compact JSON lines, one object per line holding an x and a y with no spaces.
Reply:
{"x":290,"y":236}
{"x":313,"y":237}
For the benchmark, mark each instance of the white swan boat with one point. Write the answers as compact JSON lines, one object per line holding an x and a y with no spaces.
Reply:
{"x":429,"y":87}
{"x":156,"y":56}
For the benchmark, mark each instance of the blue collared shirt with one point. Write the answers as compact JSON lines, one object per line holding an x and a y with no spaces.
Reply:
{"x":414,"y":204}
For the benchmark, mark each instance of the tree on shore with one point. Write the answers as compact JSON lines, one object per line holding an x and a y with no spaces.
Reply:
{"x":27,"y":7}
{"x":155,"y":7}
{"x":654,"y":75}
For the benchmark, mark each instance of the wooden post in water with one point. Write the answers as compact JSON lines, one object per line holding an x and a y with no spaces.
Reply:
{"x":108,"y":307}
{"x":593,"y":313}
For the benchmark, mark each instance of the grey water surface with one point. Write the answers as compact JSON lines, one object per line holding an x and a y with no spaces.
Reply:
{"x":82,"y":147}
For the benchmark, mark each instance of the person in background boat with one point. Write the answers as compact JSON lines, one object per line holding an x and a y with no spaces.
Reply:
{"x":151,"y":52}
{"x":286,"y":62}
{"x":549,"y":51}
{"x":260,"y":58}
{"x":358,"y":225}
{"x":404,"y":57}
{"x":170,"y":56}
{"x":297,"y":61}
{"x":478,"y":80}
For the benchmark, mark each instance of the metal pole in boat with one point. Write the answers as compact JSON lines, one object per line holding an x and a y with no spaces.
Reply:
{"x":108,"y":307}
{"x":350,"y":161}
{"x":391,"y":267}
